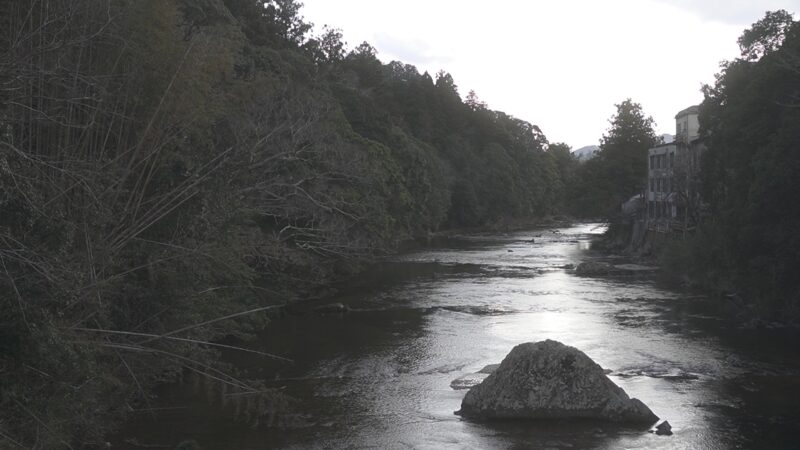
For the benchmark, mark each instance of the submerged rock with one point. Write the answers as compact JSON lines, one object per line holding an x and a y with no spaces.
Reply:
{"x":634,"y":268}
{"x":468,"y":381}
{"x":549,"y":380}
{"x":595,"y":268}
{"x":473,"y":379}
{"x":489,"y":368}
{"x":591,"y":268}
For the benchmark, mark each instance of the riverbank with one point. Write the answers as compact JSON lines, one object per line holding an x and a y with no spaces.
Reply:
{"x":683,"y":266}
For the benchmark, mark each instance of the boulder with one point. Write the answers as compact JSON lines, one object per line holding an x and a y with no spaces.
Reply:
{"x":550,"y":380}
{"x":664,"y":429}
{"x":592,"y":268}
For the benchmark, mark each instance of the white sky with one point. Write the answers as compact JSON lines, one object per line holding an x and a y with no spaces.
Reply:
{"x":560,"y":64}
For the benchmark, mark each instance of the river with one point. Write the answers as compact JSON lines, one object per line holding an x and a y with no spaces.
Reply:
{"x":379,"y":376}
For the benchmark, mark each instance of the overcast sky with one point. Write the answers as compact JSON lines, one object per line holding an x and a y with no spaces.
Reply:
{"x":560,"y":64}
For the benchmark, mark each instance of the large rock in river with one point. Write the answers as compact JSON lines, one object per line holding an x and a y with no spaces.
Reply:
{"x":550,"y":380}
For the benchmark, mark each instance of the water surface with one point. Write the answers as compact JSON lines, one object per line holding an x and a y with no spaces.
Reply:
{"x":379,"y":376}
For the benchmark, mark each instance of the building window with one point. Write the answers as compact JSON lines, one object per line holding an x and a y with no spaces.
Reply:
{"x":652,"y":161}
{"x":672,"y":159}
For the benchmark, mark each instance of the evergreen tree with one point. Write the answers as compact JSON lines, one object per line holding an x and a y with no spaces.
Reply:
{"x":619,"y":171}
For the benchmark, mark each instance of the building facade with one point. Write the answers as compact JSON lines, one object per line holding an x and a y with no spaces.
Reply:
{"x":672,"y":196}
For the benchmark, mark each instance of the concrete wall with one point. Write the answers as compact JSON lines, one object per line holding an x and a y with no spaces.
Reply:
{"x":687,"y":128}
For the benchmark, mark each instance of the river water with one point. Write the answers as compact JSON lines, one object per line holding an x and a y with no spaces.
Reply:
{"x":379,"y":376}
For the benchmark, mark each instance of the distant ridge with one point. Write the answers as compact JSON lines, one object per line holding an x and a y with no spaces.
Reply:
{"x":585,"y":153}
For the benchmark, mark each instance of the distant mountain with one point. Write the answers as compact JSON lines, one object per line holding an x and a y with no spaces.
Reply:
{"x":586,"y":153}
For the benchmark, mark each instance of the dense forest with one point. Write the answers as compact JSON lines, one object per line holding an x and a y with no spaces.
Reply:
{"x":748,"y":242}
{"x":172,"y":170}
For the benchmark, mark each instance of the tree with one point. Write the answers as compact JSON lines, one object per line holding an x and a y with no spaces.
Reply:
{"x":766,"y":35}
{"x":328,"y":47}
{"x":620,"y":169}
{"x":751,"y":126}
{"x":275,"y":23}
{"x":285,"y":15}
{"x":624,"y":148}
{"x":445,"y":82}
{"x":473,"y":102}
{"x":567,"y":166}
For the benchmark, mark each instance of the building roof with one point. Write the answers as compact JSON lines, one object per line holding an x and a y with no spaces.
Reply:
{"x":666,"y":144}
{"x":694,"y":109}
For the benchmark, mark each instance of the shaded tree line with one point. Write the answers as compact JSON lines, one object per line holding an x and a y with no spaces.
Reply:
{"x":750,"y":121}
{"x":171,"y":170}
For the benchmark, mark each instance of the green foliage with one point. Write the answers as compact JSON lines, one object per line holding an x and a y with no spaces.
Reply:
{"x":166,"y":164}
{"x":766,"y":35}
{"x":619,"y":171}
{"x":466,"y":163}
{"x":751,"y":122}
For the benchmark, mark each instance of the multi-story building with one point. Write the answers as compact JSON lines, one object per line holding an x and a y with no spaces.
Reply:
{"x":672,"y":196}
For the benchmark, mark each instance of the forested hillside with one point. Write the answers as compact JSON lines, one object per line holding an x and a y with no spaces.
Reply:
{"x":171,"y":169}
